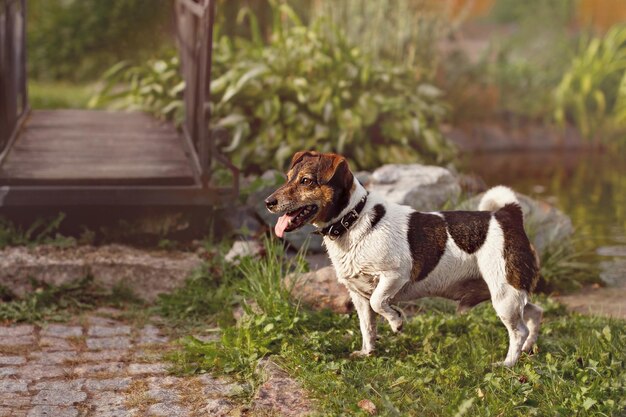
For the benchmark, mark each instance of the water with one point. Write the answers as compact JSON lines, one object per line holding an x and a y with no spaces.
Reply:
{"x":589,"y":187}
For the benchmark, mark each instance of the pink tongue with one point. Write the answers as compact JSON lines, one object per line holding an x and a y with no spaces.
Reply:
{"x":283,"y":222}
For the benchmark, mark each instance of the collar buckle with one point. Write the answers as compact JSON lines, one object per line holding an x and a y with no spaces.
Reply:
{"x":338,"y":228}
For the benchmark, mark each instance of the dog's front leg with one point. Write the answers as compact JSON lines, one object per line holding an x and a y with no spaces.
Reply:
{"x":389,"y":285}
{"x":367,"y":322}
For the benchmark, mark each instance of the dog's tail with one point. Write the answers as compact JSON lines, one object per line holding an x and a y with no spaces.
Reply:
{"x":497,"y":197}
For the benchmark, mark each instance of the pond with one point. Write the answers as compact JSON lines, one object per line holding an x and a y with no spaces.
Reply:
{"x":589,"y":187}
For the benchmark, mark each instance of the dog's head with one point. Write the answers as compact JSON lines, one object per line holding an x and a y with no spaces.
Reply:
{"x":318,"y":188}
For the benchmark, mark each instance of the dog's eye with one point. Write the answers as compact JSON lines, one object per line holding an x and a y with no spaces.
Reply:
{"x":305,"y":181}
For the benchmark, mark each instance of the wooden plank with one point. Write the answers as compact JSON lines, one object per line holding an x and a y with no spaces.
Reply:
{"x":78,"y":147}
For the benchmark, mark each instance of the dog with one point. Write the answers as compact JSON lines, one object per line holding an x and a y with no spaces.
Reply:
{"x":385,"y":253}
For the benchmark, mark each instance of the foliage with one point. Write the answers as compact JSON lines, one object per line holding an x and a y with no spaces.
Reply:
{"x":563,"y":267}
{"x":513,"y":11}
{"x":58,"y":95}
{"x":592,"y":91}
{"x":207,"y":295}
{"x":75,"y":40}
{"x":440,"y":365}
{"x":57,"y":302}
{"x":154,"y":86}
{"x":269,"y":315}
{"x":406,"y":32}
{"x":41,"y":231}
{"x":307,"y":88}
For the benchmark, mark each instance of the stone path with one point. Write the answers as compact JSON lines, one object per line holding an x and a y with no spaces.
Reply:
{"x":100,"y":366}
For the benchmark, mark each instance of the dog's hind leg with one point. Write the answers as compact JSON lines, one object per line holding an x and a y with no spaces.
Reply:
{"x":509,"y":306}
{"x":367,"y":323}
{"x":389,"y":285}
{"x":532,"y":317}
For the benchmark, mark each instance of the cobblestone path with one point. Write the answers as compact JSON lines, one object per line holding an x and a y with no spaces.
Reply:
{"x":100,"y":366}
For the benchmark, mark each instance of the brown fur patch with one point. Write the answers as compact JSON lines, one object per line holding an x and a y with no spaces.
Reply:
{"x":379,"y":213}
{"x":522,"y":270}
{"x":468,"y":292}
{"x":468,"y":228}
{"x":427,"y":241}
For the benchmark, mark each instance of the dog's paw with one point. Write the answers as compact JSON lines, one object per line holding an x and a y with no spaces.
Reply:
{"x":397,"y":327}
{"x":506,"y":364}
{"x":361,"y":353}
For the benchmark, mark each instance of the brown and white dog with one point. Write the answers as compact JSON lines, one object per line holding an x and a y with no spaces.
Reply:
{"x":385,"y":253}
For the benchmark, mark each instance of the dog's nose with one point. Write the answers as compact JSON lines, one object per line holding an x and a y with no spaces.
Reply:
{"x":271,"y":202}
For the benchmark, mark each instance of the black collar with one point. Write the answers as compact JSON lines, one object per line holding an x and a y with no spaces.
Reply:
{"x":341,"y":226}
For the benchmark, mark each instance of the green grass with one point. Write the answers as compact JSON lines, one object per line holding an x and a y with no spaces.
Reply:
{"x":439,"y":366}
{"x":59,"y":95}
{"x":48,"y":302}
{"x":42,"y":231}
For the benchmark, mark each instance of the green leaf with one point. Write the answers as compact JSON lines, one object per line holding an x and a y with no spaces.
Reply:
{"x":588,"y":403}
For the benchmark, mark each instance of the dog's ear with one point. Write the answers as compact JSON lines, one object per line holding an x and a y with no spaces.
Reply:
{"x":332,"y":165}
{"x":299,"y":156}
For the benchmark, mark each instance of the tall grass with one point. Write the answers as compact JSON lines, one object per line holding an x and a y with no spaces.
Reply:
{"x":404,"y":31}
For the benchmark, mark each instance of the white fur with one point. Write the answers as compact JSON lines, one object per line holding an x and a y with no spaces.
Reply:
{"x":497,"y":197}
{"x":375,"y":265}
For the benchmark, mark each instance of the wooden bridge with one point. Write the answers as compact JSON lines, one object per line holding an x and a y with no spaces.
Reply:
{"x":82,"y":157}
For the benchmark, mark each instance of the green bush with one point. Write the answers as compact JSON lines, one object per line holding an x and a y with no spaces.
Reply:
{"x":307,"y":88}
{"x":592,"y":93}
{"x":77,"y":39}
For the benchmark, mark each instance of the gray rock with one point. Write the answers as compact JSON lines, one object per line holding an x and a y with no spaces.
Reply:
{"x":103,"y":321}
{"x":105,"y":331}
{"x":59,"y":397}
{"x":52,"y":357}
{"x":167,"y":410}
{"x":242,"y":249}
{"x":16,"y":340}
{"x":12,"y":360}
{"x":218,"y":407}
{"x":108,"y":343}
{"x":108,"y":404}
{"x":110,"y":384}
{"x":16,"y":331}
{"x":35,"y":372}
{"x":146,"y":272}
{"x":104,"y":355}
{"x":612,"y":251}
{"x":364,"y":177}
{"x":240,"y":221}
{"x":422,"y":187}
{"x":613,"y":272}
{"x":59,"y":330}
{"x":544,"y":223}
{"x":146,"y":368}
{"x":8,"y":371}
{"x":214,"y":387}
{"x":12,"y":385}
{"x":54,"y":343}
{"x":280,"y":394}
{"x":320,"y":290}
{"x":163,"y":395}
{"x":14,"y":401}
{"x":149,"y":335}
{"x":52,"y":411}
{"x":61,"y":385}
{"x":99,"y":368}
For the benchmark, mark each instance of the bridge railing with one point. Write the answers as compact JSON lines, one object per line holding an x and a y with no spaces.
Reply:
{"x":194,"y":23}
{"x":13,"y":93}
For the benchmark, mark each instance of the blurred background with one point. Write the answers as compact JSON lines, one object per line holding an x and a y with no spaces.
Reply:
{"x":529,"y":94}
